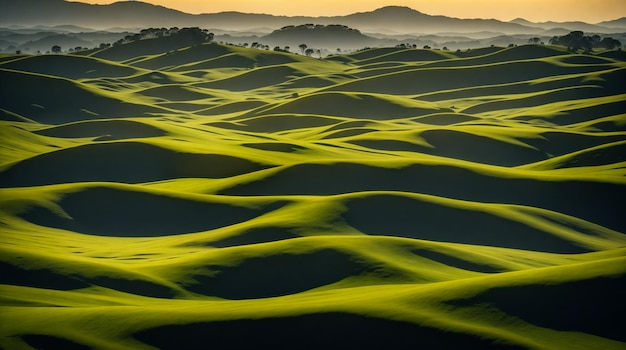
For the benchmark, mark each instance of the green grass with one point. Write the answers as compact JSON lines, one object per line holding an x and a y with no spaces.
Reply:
{"x":165,"y":197}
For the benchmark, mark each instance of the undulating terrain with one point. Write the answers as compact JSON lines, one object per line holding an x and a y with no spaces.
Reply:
{"x":218,"y":197}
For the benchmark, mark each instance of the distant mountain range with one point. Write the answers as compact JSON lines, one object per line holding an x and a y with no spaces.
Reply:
{"x":32,"y":26}
{"x":387,"y":20}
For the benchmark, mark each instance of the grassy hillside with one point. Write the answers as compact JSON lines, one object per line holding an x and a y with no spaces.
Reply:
{"x":216,"y":196}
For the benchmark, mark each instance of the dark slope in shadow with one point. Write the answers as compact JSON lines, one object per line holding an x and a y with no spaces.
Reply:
{"x":457,"y":262}
{"x":560,"y":143}
{"x":585,"y":59}
{"x":49,"y":278}
{"x":127,"y":162}
{"x":152,"y":77}
{"x":444,"y":119}
{"x":68,"y":66}
{"x":39,"y":278}
{"x":614,"y":54}
{"x":481,"y":51}
{"x":398,"y":216}
{"x":480,"y":149}
{"x":307,"y":82}
{"x":351,"y":125}
{"x":260,"y":58}
{"x":608,"y":82}
{"x":595,"y":306}
{"x":51,"y":100}
{"x":464,"y":146}
{"x":362,"y":106}
{"x":385,"y":145}
{"x":175,"y":93}
{"x":490,"y":56}
{"x":105,"y":211}
{"x":104,"y":130}
{"x":601,"y":203}
{"x":542,"y":99}
{"x":615,"y":125}
{"x":313,"y":331}
{"x":231,"y":60}
{"x":375,"y":52}
{"x":157,"y":46}
{"x":275,"y":146}
{"x":410,"y":55}
{"x":583,"y":114}
{"x":276,"y":275}
{"x":347,"y":133}
{"x":275,"y":123}
{"x":254,"y":236}
{"x":231,"y":107}
{"x":134,"y":286}
{"x":254,"y":79}
{"x":44,"y":341}
{"x":606,"y":154}
{"x":181,"y":56}
{"x":437,"y":79}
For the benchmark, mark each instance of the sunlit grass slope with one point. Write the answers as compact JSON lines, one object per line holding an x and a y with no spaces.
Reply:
{"x":220,"y":197}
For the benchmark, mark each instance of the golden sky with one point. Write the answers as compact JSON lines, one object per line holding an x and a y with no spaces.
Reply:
{"x":592,"y":11}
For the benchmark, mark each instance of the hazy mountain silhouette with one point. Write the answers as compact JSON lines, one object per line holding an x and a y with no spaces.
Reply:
{"x":406,"y":20}
{"x":572,"y":26}
{"x":616,"y":23}
{"x":30,"y":26}
{"x":56,"y":12}
{"x":136,"y":14}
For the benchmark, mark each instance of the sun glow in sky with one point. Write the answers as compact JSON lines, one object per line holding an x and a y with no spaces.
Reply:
{"x":591,"y":11}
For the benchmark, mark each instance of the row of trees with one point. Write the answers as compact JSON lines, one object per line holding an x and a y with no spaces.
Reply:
{"x":306,"y":50}
{"x":194,"y":35}
{"x":577,"y":40}
{"x":414,"y":46}
{"x":332,"y":27}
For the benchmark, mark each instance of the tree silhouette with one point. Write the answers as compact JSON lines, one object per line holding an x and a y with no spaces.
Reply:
{"x":309,"y":52}
{"x":303,"y":47}
{"x":609,"y":43}
{"x":56,"y":49}
{"x":577,"y":40}
{"x":195,"y":35}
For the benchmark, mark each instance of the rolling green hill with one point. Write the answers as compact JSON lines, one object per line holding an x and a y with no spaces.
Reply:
{"x":217,"y":196}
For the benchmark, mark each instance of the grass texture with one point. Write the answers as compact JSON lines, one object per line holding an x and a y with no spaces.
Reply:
{"x":216,"y":196}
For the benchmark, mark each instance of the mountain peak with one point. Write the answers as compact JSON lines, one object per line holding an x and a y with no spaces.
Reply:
{"x":398,"y":9}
